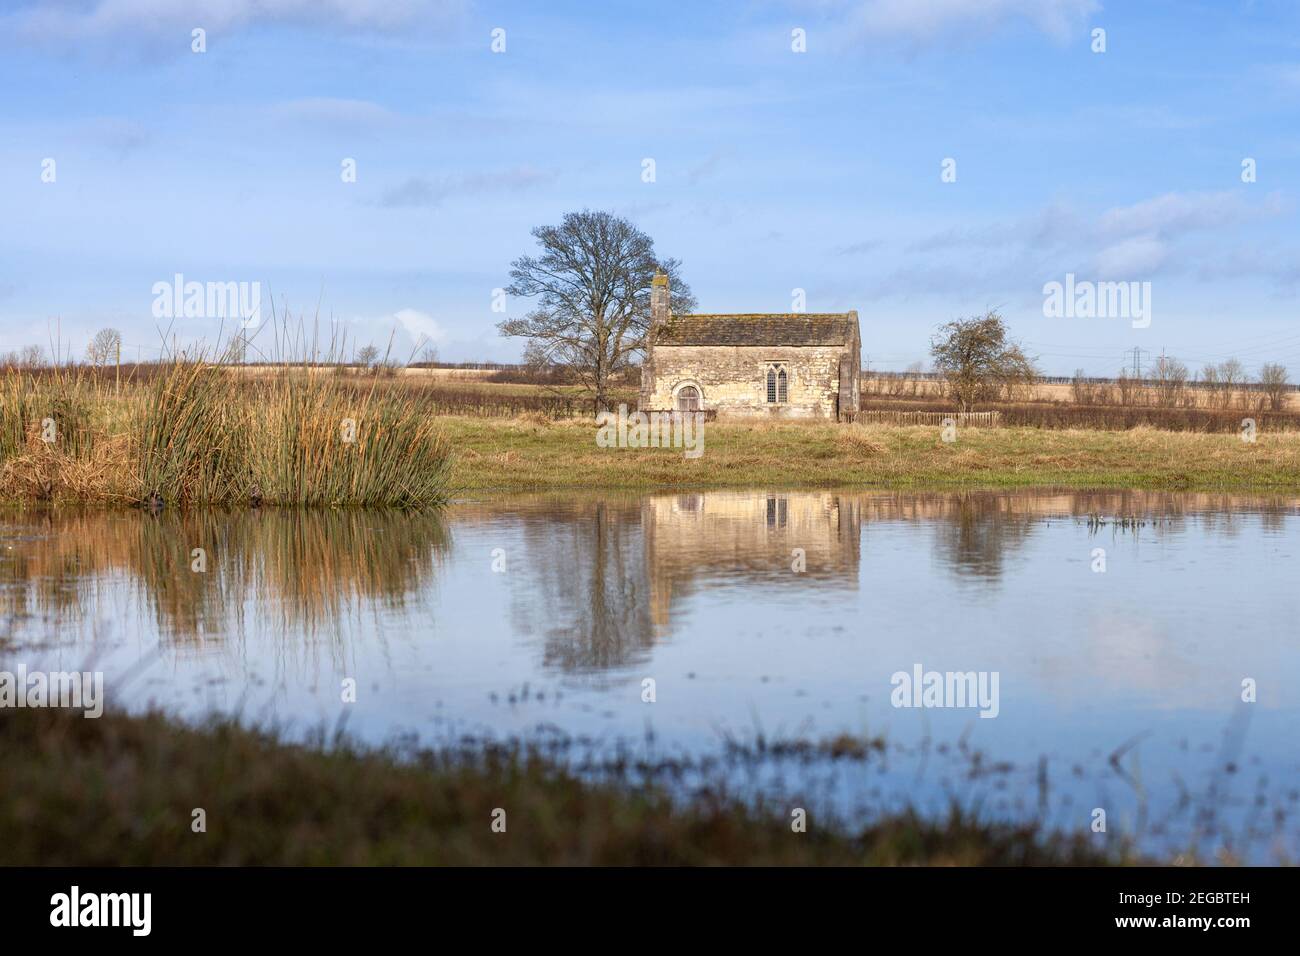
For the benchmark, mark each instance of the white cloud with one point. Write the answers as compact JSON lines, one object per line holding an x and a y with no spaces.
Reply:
{"x":1131,"y":258}
{"x":118,"y":135}
{"x":423,"y":328}
{"x":1197,"y":233}
{"x":418,"y":191}
{"x":1176,"y":213}
{"x":704,"y":169}
{"x":921,"y":20}
{"x":1288,"y":74}
{"x":858,"y":248}
{"x":1280,"y":264}
{"x":335,"y":111}
{"x":1056,"y":226}
{"x":65,"y":22}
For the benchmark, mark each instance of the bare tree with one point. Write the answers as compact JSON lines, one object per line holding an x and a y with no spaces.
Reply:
{"x":104,"y":348}
{"x":1273,"y":380}
{"x":1084,"y":392}
{"x":1169,"y":377}
{"x":368,"y":355}
{"x":541,"y":368}
{"x":1210,"y":380}
{"x":31,"y":356}
{"x":913,"y":376}
{"x":1232,"y":376}
{"x":591,"y":283}
{"x":976,"y":360}
{"x":1127,"y":388}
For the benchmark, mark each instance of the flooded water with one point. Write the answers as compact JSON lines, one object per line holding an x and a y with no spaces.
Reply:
{"x":1122,"y":629}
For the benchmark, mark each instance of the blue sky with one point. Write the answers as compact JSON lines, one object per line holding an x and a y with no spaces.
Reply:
{"x":774,"y":170}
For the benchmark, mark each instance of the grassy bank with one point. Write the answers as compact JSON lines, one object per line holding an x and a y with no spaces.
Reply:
{"x":192,"y":433}
{"x":197,"y":433}
{"x":122,"y":790}
{"x":535,"y":454}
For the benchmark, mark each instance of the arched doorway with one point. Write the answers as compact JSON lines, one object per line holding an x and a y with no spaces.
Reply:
{"x":688,"y":399}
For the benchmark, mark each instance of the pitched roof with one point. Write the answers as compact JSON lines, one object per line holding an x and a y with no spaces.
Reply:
{"x":749,"y":328}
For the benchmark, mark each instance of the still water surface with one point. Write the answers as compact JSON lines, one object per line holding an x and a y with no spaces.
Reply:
{"x":1119,"y":688}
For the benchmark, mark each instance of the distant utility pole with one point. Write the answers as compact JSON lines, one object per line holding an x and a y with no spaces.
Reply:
{"x":1137,"y":361}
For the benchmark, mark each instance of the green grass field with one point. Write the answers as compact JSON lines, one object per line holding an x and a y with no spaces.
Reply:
{"x":533,"y":454}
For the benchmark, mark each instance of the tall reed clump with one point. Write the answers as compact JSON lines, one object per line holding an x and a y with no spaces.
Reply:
{"x":17,"y":414}
{"x":192,"y":441}
{"x":199,"y":431}
{"x":319,"y":441}
{"x":56,"y":409}
{"x":300,"y":438}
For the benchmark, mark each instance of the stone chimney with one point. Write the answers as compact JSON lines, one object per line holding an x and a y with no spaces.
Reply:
{"x":659,"y":313}
{"x":659,"y":299}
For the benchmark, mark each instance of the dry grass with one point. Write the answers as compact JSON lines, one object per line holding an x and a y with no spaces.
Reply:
{"x":855,"y":439}
{"x":45,"y":473}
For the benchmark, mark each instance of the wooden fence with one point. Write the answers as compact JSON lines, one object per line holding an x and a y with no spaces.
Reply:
{"x":899,"y":417}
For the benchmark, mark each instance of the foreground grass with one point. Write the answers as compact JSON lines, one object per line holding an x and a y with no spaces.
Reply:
{"x":529,"y":454}
{"x":122,"y":790}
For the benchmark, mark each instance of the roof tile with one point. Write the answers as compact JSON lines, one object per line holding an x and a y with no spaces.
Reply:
{"x":760,"y":329}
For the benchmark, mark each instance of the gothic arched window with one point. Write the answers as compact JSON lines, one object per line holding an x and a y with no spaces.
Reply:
{"x":778,"y":384}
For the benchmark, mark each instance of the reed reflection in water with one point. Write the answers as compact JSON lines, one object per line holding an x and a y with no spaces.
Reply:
{"x":757,"y":613}
{"x":204,"y":576}
{"x":763,"y":595}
